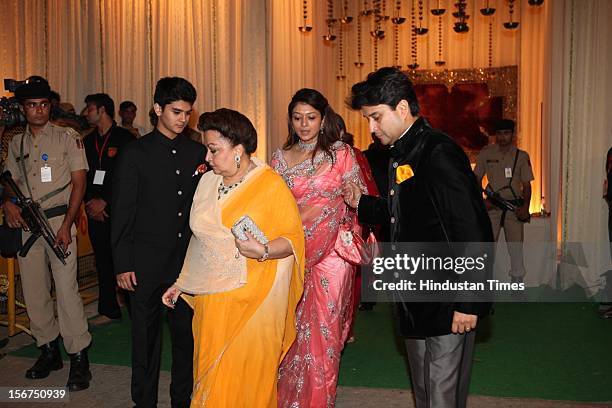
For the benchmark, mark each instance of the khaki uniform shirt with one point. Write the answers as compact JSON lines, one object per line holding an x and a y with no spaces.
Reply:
{"x":497,"y":165}
{"x":65,"y":153}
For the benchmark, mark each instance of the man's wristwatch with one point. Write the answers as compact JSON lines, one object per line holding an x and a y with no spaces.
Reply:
{"x":266,"y":253}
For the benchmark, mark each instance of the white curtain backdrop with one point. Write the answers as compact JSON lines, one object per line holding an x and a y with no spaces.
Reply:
{"x":582,"y":126}
{"x":249,"y":55}
{"x":122,"y":47}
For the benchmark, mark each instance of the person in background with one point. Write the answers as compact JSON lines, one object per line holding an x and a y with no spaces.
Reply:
{"x":508,"y":170}
{"x":48,"y":165}
{"x":605,"y":309}
{"x":315,"y":164}
{"x":127,"y":113}
{"x":102,"y":147}
{"x":372,"y":190}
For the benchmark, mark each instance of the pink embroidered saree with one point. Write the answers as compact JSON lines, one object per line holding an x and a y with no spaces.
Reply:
{"x":309,"y":372}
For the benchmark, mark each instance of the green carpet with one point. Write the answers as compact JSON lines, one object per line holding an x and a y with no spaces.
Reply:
{"x":549,"y":351}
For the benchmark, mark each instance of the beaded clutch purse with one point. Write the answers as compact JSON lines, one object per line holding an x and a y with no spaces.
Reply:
{"x":246,"y":224}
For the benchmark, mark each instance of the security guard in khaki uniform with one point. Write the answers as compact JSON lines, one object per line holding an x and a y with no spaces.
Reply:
{"x":48,"y":164}
{"x":509,"y":173}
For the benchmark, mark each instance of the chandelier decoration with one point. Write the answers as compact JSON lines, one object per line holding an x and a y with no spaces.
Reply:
{"x":330,"y":36}
{"x":397,"y":18}
{"x":366,"y":9}
{"x":375,"y":53}
{"x":413,"y":39}
{"x":346,"y":19}
{"x":359,"y":62}
{"x":396,"y":63}
{"x":420,"y":30}
{"x":378,"y":32}
{"x":305,"y":28}
{"x":511,"y":25}
{"x":341,"y":75}
{"x":488,"y":11}
{"x":439,"y":11}
{"x":461,"y":25}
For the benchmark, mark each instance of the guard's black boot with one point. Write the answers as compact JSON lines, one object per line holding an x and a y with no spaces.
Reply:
{"x":50,"y":359}
{"x":79,"y":376}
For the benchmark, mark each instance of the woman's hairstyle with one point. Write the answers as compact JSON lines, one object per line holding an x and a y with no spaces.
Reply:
{"x":345,"y":136}
{"x":329,"y":133}
{"x":232,"y":125}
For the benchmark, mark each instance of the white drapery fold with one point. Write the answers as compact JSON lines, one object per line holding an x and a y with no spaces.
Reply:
{"x":581,"y":134}
{"x":123,"y":47}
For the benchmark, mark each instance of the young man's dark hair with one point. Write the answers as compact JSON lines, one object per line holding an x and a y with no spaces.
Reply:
{"x":387,"y":86}
{"x":126,"y":105}
{"x":171,"y":89}
{"x":102,"y":100}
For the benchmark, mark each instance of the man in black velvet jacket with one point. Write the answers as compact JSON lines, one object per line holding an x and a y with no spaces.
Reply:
{"x":439,"y":336}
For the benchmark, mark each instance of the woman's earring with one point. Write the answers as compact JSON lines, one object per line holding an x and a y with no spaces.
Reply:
{"x":237,"y":160}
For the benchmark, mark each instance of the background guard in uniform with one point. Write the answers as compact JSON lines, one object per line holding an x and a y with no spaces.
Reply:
{"x":509,"y":173}
{"x":48,"y":164}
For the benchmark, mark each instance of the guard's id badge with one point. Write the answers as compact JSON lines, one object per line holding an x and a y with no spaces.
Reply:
{"x":45,"y":174}
{"x":99,"y":177}
{"x":508,"y":172}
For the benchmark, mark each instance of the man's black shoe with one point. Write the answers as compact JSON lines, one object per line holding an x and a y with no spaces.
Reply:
{"x":50,"y":359}
{"x":79,"y":376}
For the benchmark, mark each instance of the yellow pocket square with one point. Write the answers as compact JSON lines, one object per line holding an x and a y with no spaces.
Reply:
{"x":403,"y":173}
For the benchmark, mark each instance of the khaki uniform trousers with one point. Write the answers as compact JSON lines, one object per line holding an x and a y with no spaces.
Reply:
{"x":514,"y":234}
{"x":36,"y":284}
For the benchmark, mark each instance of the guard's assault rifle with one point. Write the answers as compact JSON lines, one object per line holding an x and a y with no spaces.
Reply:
{"x":505,"y":205}
{"x":498,"y":201}
{"x":36,"y":221}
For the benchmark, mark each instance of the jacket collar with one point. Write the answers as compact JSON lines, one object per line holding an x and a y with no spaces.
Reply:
{"x":409,"y":145}
{"x":160,"y":137}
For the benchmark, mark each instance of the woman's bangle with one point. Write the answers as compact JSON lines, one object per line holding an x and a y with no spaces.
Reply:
{"x":266,"y":253}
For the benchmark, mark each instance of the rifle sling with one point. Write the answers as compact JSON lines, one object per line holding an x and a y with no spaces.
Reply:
{"x":56,"y":211}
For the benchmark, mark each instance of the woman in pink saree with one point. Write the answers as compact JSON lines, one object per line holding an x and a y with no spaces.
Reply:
{"x":315,"y":164}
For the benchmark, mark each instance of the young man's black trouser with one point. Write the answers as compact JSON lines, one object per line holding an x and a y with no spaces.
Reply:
{"x":146,"y":315}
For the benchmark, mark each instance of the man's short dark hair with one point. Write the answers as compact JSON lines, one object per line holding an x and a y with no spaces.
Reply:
{"x":387,"y":86}
{"x":504,"y":124}
{"x":232,"y":125}
{"x":125,"y":105}
{"x":172,"y":89}
{"x":102,"y":100}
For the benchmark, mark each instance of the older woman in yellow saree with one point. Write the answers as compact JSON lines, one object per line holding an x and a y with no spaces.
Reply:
{"x":244,"y":293}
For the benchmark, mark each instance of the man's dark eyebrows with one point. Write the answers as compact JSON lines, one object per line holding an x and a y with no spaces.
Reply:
{"x":177,"y":110}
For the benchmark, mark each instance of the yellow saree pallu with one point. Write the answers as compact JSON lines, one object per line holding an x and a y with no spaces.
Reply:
{"x":242,"y":334}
